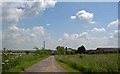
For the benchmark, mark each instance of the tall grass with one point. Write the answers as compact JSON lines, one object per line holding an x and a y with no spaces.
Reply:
{"x":91,"y":63}
{"x":19,"y":62}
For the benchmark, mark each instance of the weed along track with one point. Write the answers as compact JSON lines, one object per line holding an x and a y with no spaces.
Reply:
{"x":47,"y":65}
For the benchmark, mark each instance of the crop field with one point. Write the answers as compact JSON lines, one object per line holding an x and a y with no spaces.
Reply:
{"x":17,"y":62}
{"x":89,"y":62}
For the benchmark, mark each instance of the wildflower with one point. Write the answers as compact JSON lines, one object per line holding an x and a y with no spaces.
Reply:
{"x":3,"y":63}
{"x":6,"y":61}
{"x":5,"y":54}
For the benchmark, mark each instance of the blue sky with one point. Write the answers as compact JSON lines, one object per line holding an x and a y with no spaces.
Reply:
{"x":59,"y":17}
{"x":61,"y":27}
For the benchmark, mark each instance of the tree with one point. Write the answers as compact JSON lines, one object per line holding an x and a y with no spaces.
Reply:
{"x":60,"y":50}
{"x":66,"y":48}
{"x":27,"y":52}
{"x":81,"y":49}
{"x":42,"y":52}
{"x":6,"y":50}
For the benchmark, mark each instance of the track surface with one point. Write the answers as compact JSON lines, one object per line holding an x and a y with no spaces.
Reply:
{"x":47,"y":65}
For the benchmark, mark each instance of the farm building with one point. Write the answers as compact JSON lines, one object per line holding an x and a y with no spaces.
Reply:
{"x":91,"y":51}
{"x":103,"y":50}
{"x":107,"y":50}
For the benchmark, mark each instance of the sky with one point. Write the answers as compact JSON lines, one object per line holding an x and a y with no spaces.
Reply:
{"x":69,"y":24}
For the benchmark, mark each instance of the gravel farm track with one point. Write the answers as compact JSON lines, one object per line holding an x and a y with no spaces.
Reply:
{"x":47,"y":65}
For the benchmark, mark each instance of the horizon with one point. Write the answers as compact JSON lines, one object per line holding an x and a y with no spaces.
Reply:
{"x":52,"y":49}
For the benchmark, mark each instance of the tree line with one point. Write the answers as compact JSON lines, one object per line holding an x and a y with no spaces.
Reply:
{"x":69,"y":51}
{"x":60,"y":50}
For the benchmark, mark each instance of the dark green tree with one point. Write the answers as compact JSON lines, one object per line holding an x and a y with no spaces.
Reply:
{"x":81,"y":49}
{"x":60,"y":50}
{"x":27,"y":52}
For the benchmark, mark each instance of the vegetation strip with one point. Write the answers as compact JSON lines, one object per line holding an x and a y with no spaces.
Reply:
{"x":25,"y":64}
{"x":65,"y":66}
{"x":91,"y":63}
{"x":18,"y":62}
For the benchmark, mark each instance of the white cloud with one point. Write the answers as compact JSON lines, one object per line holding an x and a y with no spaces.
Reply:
{"x":16,"y":31}
{"x":13,"y":28}
{"x":38,"y":29}
{"x":73,"y":17}
{"x":84,"y":16}
{"x":98,"y":30}
{"x":60,"y":39}
{"x":32,"y":35}
{"x":17,"y":37}
{"x":114,"y":38}
{"x":0,"y":39}
{"x":83,"y":35}
{"x":19,"y":10}
{"x":66,"y":35}
{"x":10,"y":16}
{"x":116,"y":31}
{"x":48,"y":24}
{"x":88,"y":40}
{"x":12,"y":12}
{"x":114,"y":23}
{"x":71,"y":37}
{"x":74,"y":36}
{"x":0,"y":12}
{"x":23,"y":38}
{"x":116,"y":34}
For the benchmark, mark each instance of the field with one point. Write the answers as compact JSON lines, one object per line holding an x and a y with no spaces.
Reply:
{"x":83,"y":63}
{"x":0,"y":63}
{"x":89,"y":62}
{"x":18,"y":62}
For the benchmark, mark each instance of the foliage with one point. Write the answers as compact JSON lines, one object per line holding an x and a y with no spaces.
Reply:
{"x":16,"y":62}
{"x":81,"y":49}
{"x":71,"y":51}
{"x":42,"y":52}
{"x":65,"y":51}
{"x":60,"y":50}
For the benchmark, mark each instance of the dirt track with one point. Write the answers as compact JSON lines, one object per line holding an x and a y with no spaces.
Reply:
{"x":47,"y":65}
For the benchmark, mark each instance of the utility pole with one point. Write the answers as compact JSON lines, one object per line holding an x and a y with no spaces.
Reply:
{"x":44,"y":45}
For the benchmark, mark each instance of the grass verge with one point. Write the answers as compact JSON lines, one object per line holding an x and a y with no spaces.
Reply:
{"x":26,"y":64}
{"x":90,"y":63}
{"x":25,"y":61}
{"x":67,"y":67}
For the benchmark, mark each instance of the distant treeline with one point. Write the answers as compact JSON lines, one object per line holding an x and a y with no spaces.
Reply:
{"x":69,"y":51}
{"x":61,"y":50}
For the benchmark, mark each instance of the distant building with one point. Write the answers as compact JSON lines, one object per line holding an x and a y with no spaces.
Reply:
{"x":107,"y":50}
{"x":90,"y":51}
{"x":69,"y":49}
{"x":103,"y":50}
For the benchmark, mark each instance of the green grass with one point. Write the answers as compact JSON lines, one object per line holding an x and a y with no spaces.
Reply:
{"x":91,"y":63}
{"x":25,"y":64}
{"x":22,"y":62}
{"x":66,"y":67}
